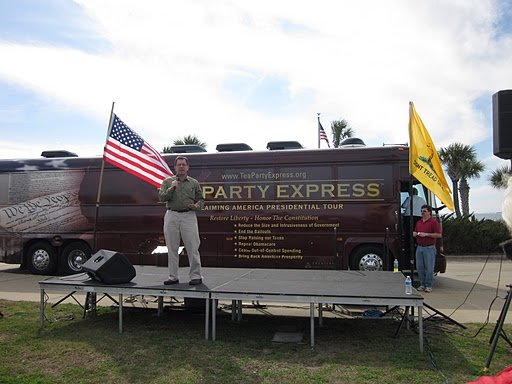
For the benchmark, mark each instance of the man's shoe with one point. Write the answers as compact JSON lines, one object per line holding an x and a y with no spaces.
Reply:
{"x":171,"y":282}
{"x":195,"y":281}
{"x":428,"y":290}
{"x":421,"y":288}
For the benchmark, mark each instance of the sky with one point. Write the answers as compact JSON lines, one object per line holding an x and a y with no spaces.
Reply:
{"x":253,"y":71}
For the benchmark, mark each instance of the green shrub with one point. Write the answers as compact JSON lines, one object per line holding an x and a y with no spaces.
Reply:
{"x":467,"y":235}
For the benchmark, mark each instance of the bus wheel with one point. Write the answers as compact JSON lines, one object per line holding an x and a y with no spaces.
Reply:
{"x":41,"y":258}
{"x":73,"y":256}
{"x":367,"y":258}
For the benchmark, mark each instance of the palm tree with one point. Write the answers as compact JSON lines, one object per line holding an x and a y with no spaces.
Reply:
{"x":470,"y":169}
{"x":190,"y":139}
{"x":461,"y":164}
{"x":340,"y":130}
{"x":499,"y":177}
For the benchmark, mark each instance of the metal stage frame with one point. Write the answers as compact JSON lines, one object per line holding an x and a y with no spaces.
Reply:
{"x":313,"y":287}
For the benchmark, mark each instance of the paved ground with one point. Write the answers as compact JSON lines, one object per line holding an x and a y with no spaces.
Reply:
{"x":468,"y":287}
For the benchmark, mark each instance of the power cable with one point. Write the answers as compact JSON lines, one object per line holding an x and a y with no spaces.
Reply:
{"x":434,"y":362}
{"x":472,"y":287}
{"x":496,"y":296}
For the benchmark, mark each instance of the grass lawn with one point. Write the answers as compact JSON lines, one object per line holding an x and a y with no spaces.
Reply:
{"x":171,"y":349}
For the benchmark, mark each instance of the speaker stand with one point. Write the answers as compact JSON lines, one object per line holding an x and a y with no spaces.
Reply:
{"x":498,"y":329}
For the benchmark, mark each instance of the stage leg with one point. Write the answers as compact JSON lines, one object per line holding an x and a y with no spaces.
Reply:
{"x":207,"y":320}
{"x":239,"y":312}
{"x":404,"y":317}
{"x":420,"y":326}
{"x":214,"y":320}
{"x":160,"y":310}
{"x":90,"y":304}
{"x":120,"y":313}
{"x":94,"y":302}
{"x":312,"y":324}
{"x":41,"y":313}
{"x":320,"y":315}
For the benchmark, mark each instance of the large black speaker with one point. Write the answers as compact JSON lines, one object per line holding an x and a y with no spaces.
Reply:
{"x":109,"y":267}
{"x":502,"y":123}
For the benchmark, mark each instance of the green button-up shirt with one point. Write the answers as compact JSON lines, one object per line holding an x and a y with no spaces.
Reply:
{"x":187,"y":192}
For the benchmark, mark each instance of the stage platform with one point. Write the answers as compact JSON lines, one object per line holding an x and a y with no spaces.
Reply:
{"x":313,"y":287}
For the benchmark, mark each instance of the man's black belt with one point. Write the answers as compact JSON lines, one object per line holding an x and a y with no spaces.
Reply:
{"x":178,"y":210}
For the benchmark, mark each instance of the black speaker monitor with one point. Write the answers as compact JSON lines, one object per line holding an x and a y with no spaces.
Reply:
{"x":109,"y":267}
{"x":502,"y":123}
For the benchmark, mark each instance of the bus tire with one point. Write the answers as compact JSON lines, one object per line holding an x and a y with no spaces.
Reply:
{"x":367,"y":258}
{"x":41,"y":258}
{"x":73,"y":256}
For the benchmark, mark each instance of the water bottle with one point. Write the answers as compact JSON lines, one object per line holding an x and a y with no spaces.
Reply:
{"x":408,"y":285}
{"x":395,"y":265}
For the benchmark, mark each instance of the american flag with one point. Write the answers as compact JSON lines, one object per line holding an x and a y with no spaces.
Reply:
{"x":128,"y":151}
{"x":323,"y":135}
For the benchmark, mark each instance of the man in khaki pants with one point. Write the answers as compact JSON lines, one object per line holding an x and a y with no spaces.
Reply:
{"x":182,"y":195}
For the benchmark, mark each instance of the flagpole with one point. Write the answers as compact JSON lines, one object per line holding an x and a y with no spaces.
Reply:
{"x":412,"y":258}
{"x":411,"y":229}
{"x":100,"y":183}
{"x":318,"y":127}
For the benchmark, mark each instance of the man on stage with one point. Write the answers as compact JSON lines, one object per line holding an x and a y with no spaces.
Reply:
{"x":183,"y":196}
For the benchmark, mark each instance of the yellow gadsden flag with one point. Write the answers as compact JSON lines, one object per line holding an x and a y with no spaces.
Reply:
{"x":424,"y":162}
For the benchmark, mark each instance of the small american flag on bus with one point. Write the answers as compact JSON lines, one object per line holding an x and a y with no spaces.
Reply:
{"x":323,"y":135}
{"x":128,"y":151}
